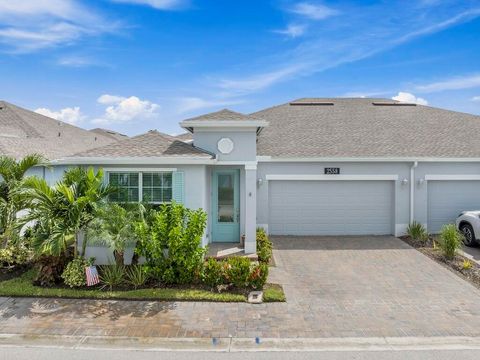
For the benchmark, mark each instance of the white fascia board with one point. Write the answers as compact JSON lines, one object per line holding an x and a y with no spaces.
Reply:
{"x":133,"y":161}
{"x":223,"y":123}
{"x":308,"y":177}
{"x":363,"y":159}
{"x":138,"y":169}
{"x":149,"y":161}
{"x":452,"y":177}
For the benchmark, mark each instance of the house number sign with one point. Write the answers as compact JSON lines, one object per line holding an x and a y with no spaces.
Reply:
{"x":332,"y":171}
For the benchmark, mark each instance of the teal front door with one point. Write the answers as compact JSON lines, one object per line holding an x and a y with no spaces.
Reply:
{"x":226,"y":206}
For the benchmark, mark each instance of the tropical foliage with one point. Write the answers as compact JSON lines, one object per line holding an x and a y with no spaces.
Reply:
{"x":238,"y":272}
{"x":115,"y":226}
{"x":450,"y":240}
{"x":12,"y":174}
{"x":57,"y":223}
{"x":62,"y":211}
{"x":74,"y":273}
{"x":417,"y":232}
{"x":264,"y":246}
{"x":170,"y":241}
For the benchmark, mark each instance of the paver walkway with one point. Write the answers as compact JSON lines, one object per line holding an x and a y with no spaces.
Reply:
{"x":335,"y":286}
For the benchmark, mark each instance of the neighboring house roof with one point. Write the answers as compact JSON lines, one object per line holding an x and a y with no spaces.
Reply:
{"x":363,"y":127}
{"x":150,"y":144}
{"x":110,"y":133}
{"x":222,"y":115}
{"x":185,"y":137}
{"x":24,"y":132}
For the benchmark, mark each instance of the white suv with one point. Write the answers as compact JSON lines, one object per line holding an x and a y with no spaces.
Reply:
{"x":468,"y":222}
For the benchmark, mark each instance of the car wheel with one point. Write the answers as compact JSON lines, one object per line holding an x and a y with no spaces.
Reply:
{"x":468,"y":235}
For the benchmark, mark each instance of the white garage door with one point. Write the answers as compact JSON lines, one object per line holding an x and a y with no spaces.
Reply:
{"x":331,"y":207}
{"x":446,"y":199}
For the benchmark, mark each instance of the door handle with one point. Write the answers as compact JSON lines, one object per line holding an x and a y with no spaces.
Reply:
{"x":238,"y":215}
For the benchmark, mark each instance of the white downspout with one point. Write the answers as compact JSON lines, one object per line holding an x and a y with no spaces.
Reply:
{"x":412,"y":191}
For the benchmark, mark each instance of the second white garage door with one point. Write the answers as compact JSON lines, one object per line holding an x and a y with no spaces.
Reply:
{"x":331,"y":207}
{"x":446,"y":199}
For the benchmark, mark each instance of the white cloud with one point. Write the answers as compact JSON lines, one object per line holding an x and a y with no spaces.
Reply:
{"x":476,"y":98}
{"x":30,"y":25}
{"x":107,"y":99}
{"x":456,"y":83}
{"x":313,"y":11}
{"x":123,"y":109}
{"x":409,"y":98}
{"x":260,"y":81}
{"x":71,"y":115}
{"x":364,"y":34}
{"x":187,"y":104}
{"x":77,"y":61}
{"x":157,"y":4}
{"x":292,"y":30}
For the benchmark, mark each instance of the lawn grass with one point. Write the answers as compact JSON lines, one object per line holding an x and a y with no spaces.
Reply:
{"x":22,"y":286}
{"x":273,"y":293}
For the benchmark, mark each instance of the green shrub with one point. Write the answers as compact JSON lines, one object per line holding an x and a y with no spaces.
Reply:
{"x":14,"y":254}
{"x":417,"y":231}
{"x":170,"y":241}
{"x":466,"y":264}
{"x":238,"y":271}
{"x":450,"y":240}
{"x":136,"y":276}
{"x":112,"y":275}
{"x":74,"y":273}
{"x":258,"y":276}
{"x":264,"y":246}
{"x":212,"y":274}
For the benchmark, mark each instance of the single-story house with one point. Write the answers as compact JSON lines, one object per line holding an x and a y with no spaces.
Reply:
{"x":313,"y":166}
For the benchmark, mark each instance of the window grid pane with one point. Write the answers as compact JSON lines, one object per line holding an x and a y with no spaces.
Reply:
{"x":157,"y":187}
{"x":126,"y":185}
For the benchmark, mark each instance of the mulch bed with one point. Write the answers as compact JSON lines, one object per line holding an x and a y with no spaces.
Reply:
{"x":7,"y":273}
{"x":471,"y":274}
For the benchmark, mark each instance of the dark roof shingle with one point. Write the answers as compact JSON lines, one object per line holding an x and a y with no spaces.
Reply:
{"x":356,"y":127}
{"x":223,"y":115}
{"x":24,"y":132}
{"x":150,"y":144}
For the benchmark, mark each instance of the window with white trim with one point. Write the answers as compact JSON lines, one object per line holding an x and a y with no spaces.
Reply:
{"x":151,"y":187}
{"x":157,"y":187}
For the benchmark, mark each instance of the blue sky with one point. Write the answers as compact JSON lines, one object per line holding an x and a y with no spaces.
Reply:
{"x":135,"y":65}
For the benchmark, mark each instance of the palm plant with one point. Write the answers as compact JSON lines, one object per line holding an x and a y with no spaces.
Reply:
{"x":12,"y":174}
{"x":116,"y":226}
{"x":65,"y":209}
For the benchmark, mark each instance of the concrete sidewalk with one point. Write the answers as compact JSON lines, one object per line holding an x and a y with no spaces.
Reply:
{"x":240,"y":344}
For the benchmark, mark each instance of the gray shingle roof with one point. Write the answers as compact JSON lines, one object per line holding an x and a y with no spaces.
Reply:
{"x":23,"y":132}
{"x":109,"y":133}
{"x":355,"y":127}
{"x":150,"y":144}
{"x":223,"y":115}
{"x":185,"y":137}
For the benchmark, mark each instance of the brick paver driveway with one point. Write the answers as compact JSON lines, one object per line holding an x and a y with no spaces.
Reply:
{"x":336,"y":287}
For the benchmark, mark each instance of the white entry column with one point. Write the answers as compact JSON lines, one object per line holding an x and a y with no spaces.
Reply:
{"x":250,"y":209}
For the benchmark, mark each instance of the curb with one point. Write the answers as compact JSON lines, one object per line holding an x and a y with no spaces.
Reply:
{"x":240,"y":344}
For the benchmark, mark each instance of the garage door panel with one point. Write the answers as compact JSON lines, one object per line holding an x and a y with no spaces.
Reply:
{"x":447,"y":198}
{"x":330,"y":207}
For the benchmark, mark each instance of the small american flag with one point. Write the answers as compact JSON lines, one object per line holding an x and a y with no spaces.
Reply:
{"x":92,"y":275}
